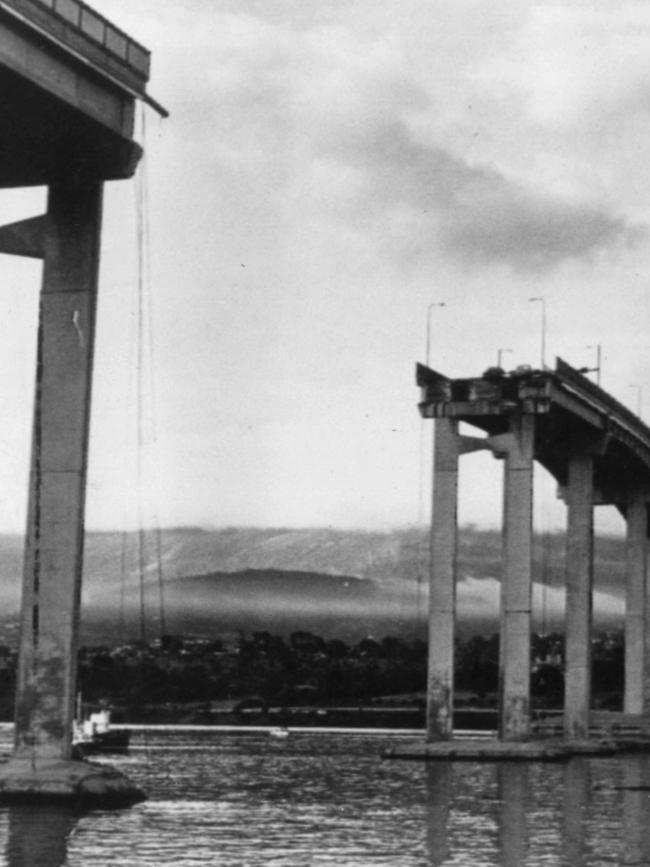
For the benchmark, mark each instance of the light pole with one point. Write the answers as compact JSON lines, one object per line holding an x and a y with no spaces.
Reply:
{"x":639,"y":394}
{"x":542,"y":301}
{"x":429,"y":309}
{"x":595,"y":369}
{"x":500,"y":354}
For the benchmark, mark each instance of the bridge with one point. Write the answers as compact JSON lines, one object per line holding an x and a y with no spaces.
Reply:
{"x":69,"y":81}
{"x":598,"y":451}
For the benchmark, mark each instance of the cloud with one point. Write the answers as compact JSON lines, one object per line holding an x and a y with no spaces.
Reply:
{"x":509,"y":224}
{"x":474,"y":213}
{"x":369,"y":131}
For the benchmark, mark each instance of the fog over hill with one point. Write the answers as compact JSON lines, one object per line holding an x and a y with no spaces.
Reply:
{"x":335,"y":581}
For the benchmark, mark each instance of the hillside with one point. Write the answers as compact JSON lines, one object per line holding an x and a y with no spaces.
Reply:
{"x":335,"y":581}
{"x":332,"y":581}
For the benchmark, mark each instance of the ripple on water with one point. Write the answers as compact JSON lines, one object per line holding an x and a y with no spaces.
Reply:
{"x":323,"y":799}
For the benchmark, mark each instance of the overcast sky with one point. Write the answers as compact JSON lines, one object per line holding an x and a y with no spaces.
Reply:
{"x":329,"y":170}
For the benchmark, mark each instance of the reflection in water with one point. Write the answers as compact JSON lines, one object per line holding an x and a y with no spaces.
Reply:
{"x":577,"y":786}
{"x":328,"y":800}
{"x":515,"y":813}
{"x":439,"y":796}
{"x":38,"y":835}
{"x":636,"y":811}
{"x":513,"y":788}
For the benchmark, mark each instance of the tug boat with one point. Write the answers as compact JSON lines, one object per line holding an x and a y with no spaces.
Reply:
{"x":95,"y":735}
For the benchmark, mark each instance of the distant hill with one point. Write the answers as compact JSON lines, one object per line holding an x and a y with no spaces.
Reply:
{"x":337,"y":581}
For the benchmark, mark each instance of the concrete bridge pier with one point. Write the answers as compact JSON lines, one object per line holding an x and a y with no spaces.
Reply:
{"x":442,"y":584}
{"x":579,"y":584}
{"x":67,"y":238}
{"x":594,"y":448}
{"x":516,"y":587}
{"x":45,"y":695}
{"x":636,"y":606}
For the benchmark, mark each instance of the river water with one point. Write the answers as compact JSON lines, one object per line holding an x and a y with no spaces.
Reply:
{"x":235,"y":800}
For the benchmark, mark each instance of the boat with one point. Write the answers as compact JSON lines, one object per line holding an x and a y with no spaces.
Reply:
{"x":94,"y":734}
{"x":279,"y":732}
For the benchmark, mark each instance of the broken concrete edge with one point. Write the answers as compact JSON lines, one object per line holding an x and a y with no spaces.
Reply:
{"x":88,"y":785}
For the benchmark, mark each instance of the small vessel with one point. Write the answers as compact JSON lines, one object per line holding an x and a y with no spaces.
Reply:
{"x":94,"y":734}
{"x":281,"y":732}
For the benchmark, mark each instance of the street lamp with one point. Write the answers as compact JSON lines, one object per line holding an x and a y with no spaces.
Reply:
{"x":429,"y":309}
{"x":595,"y":369}
{"x":500,"y":353}
{"x":542,"y":301}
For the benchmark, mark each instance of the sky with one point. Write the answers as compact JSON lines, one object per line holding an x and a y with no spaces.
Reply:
{"x":330,"y":174}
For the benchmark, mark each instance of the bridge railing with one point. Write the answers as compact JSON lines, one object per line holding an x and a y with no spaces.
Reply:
{"x":603,"y":401}
{"x":71,"y":20}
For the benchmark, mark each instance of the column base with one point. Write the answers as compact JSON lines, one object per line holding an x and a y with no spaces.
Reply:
{"x":85,"y":784}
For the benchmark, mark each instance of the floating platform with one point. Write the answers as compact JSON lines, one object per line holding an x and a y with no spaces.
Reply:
{"x":84,"y":784}
{"x":481,"y":750}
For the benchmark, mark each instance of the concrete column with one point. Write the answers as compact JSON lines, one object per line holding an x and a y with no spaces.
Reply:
{"x":516,"y":589}
{"x":442,"y":584}
{"x":54,"y":546}
{"x":579,"y":582}
{"x":635,"y":604}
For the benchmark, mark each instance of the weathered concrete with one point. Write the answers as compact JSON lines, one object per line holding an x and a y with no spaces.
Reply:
{"x":635,"y":604}
{"x":53,"y":557}
{"x":69,"y":80}
{"x":579,"y":583}
{"x":84,"y":783}
{"x":516,"y":588}
{"x":442,"y":585}
{"x":594,"y":447}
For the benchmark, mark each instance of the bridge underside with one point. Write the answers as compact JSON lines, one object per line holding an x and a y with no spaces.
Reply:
{"x":44,"y":139}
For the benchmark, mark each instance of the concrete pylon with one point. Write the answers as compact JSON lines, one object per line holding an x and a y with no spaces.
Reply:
{"x":579,"y":602}
{"x":442,"y":583}
{"x":636,"y":604}
{"x":45,"y":695}
{"x":516,"y":589}
{"x":45,"y":691}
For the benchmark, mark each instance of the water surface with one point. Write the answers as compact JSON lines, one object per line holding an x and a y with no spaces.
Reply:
{"x":321,"y":799}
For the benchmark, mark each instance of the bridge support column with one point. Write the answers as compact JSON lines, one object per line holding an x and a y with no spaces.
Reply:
{"x":514,"y":669}
{"x":45,"y":691}
{"x":579,"y":583}
{"x":442,"y":582}
{"x":53,"y":557}
{"x":635,"y":605}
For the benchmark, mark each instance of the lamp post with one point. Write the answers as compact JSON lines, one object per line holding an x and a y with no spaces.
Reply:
{"x":500,"y":354}
{"x":598,"y":349}
{"x":542,"y":301}
{"x":429,"y":309}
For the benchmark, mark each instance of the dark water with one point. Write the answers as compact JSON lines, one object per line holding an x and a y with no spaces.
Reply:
{"x":326,"y":799}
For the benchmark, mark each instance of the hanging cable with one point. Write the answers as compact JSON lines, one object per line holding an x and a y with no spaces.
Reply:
{"x":146,"y":420}
{"x":141,"y":269}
